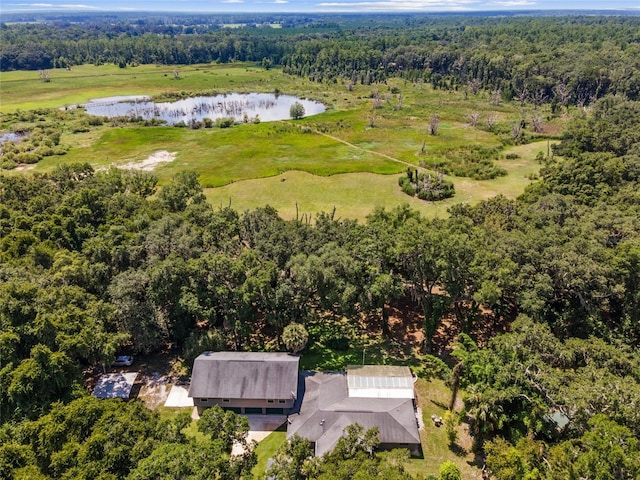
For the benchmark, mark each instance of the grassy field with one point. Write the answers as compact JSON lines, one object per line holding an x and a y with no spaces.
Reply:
{"x":349,"y":157}
{"x":356,"y":195}
{"x":25,"y":90}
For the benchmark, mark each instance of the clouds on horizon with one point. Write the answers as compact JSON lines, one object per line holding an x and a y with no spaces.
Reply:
{"x":402,"y":5}
{"x":64,"y":6}
{"x":320,"y":6}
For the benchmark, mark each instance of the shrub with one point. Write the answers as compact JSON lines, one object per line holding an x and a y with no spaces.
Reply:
{"x":95,"y":121}
{"x":426,"y":186}
{"x":8,"y":164}
{"x":295,"y":337}
{"x":449,"y":471}
{"x":296,"y":111}
{"x":225,"y":122}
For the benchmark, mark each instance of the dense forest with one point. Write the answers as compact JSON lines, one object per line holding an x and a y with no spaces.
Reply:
{"x":562,"y":60}
{"x":92,"y":262}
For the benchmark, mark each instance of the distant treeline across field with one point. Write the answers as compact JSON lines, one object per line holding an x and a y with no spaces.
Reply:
{"x":563,"y":60}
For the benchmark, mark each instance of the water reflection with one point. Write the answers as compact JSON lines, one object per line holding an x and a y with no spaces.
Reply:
{"x":240,"y":106}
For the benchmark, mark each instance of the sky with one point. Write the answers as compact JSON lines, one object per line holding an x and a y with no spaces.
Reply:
{"x":313,"y":6}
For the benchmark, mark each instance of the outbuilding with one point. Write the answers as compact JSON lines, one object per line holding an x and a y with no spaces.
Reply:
{"x":245,"y":382}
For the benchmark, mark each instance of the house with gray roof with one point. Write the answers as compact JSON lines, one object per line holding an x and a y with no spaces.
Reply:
{"x":245,"y":382}
{"x":330,"y":401}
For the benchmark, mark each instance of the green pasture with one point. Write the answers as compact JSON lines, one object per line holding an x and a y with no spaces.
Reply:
{"x":349,"y":157}
{"x":355,"y":195}
{"x":25,"y":90}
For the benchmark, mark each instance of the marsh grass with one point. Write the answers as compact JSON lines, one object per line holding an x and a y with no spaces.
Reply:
{"x":333,"y":159}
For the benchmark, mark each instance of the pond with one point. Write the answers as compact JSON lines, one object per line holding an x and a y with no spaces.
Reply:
{"x":11,"y":137}
{"x":264,"y":107}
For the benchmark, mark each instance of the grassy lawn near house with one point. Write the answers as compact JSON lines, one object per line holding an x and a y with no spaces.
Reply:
{"x":266,"y":449}
{"x":432,"y":398}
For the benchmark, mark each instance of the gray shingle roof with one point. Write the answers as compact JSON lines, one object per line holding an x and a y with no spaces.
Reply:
{"x":326,"y":409}
{"x":247,"y":375}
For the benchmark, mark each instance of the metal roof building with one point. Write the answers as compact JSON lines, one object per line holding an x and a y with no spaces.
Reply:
{"x":115,"y":385}
{"x":327,"y":408}
{"x":380,"y":381}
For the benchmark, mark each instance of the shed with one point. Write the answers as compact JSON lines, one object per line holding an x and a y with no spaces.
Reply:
{"x":115,"y":385}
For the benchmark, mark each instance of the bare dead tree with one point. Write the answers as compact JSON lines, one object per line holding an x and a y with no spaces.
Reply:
{"x":44,"y":75}
{"x":491,"y":121}
{"x":372,"y":120}
{"x":474,"y":118}
{"x":516,"y":131}
{"x":176,"y":74}
{"x":474,"y":85}
{"x":434,"y":123}
{"x":536,"y":120}
{"x":496,"y":97}
{"x":538,"y":97}
{"x":377,"y":101}
{"x":522,"y":96}
{"x":400,"y":102}
{"x":562,"y":93}
{"x":584,"y":101}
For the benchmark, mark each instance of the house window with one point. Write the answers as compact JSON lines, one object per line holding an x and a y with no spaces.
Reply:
{"x":282,"y":401}
{"x":225,"y":400}
{"x":271,"y":401}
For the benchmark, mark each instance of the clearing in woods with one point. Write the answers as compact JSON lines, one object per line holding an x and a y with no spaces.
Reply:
{"x":349,"y":157}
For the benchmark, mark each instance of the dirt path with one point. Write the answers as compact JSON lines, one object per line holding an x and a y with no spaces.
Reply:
{"x":373,"y":152}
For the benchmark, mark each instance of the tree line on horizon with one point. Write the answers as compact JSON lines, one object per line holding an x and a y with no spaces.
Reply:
{"x":570,"y":60}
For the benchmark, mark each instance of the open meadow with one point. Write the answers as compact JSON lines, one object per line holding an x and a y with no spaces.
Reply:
{"x":350,"y":157}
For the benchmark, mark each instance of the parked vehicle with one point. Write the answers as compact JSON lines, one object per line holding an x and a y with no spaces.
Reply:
{"x":123,"y":361}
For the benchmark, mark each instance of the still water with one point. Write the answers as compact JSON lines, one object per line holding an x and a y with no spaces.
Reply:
{"x":241,"y":106}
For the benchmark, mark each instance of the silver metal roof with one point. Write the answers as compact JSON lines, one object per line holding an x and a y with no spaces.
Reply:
{"x":115,"y":385}
{"x":380,"y":381}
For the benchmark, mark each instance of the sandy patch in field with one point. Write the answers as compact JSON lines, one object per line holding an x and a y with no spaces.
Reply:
{"x":151,"y":161}
{"x":24,"y":166}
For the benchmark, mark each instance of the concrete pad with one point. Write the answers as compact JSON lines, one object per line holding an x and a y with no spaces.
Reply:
{"x":179,"y":397}
{"x":265,"y":423}
{"x":260,"y":426}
